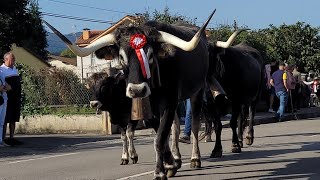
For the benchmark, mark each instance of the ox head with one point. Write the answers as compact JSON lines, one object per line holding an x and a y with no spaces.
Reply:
{"x":106,"y":91}
{"x":135,"y":48}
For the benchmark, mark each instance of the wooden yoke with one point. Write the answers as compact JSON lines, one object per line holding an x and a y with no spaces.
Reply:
{"x":141,"y":109}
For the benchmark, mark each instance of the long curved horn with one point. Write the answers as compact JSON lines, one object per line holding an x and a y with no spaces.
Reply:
{"x":230,"y":40}
{"x":102,"y":42}
{"x":184,"y":45}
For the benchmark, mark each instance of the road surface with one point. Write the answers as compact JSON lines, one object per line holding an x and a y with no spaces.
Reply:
{"x":285,"y":150}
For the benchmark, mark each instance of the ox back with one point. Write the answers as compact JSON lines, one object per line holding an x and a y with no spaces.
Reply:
{"x":242,"y":77}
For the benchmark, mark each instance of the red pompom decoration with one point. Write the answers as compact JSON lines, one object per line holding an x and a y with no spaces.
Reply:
{"x":137,"y":41}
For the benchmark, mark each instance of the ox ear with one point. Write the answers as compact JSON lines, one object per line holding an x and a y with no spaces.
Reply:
{"x":166,"y":50}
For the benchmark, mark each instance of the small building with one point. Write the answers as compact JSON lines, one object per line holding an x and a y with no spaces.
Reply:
{"x":27,"y":57}
{"x":64,"y":63}
{"x":91,"y":64}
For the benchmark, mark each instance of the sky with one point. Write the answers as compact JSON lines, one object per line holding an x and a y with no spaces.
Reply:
{"x":256,"y":14}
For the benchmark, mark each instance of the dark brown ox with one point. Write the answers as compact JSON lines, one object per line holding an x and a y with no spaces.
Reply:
{"x":178,"y":59}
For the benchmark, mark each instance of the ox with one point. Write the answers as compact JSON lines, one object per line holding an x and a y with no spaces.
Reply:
{"x":172,"y":62}
{"x":112,"y":90}
{"x":109,"y":95}
{"x":242,"y":77}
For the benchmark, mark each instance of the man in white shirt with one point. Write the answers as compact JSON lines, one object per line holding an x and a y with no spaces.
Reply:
{"x":12,"y":77}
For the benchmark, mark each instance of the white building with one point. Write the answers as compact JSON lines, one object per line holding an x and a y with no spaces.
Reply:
{"x":91,"y":64}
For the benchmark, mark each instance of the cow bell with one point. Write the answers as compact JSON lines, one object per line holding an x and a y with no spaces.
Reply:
{"x":141,"y":109}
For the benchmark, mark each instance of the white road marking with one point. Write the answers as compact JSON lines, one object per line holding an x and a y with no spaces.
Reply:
{"x":47,"y":157}
{"x":145,"y":173}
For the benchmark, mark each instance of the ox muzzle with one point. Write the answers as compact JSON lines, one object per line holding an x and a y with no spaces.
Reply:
{"x":138,"y":90}
{"x":97,"y":105}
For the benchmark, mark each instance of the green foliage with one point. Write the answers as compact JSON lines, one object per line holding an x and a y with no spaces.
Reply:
{"x":50,"y":91}
{"x":295,"y":44}
{"x":67,"y":53}
{"x":166,"y":17}
{"x":20,"y":22}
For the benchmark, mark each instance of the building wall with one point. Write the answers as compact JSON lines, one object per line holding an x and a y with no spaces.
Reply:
{"x":23,"y":56}
{"x":89,"y":65}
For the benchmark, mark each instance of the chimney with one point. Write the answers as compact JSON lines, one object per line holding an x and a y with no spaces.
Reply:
{"x":86,"y":33}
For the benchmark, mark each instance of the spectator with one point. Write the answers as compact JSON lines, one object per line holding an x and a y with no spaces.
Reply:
{"x":12,"y":77}
{"x":291,"y":83}
{"x":315,"y":90}
{"x":187,"y":124}
{"x":4,"y":87}
{"x":270,"y":69}
{"x":297,"y":89}
{"x":279,"y":82}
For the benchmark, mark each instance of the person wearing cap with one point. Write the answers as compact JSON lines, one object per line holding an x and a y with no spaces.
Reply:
{"x":279,"y":82}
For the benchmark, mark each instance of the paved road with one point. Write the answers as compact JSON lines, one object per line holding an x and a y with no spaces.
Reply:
{"x":286,"y":150}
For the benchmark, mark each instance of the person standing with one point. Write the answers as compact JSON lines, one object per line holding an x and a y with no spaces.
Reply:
{"x":270,"y":69}
{"x":12,"y":77}
{"x":291,"y":83}
{"x":279,"y":82}
{"x":297,"y":91}
{"x":4,"y":87}
{"x":187,"y":124}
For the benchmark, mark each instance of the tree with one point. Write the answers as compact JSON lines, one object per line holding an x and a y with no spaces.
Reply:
{"x":166,"y":17}
{"x":20,"y":22}
{"x":295,"y":44}
{"x":67,"y":53}
{"x":35,"y":38}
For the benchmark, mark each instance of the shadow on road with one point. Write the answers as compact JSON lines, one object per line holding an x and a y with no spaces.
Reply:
{"x":292,"y":170}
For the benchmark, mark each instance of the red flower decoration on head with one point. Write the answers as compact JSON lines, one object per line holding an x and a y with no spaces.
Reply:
{"x":137,"y":41}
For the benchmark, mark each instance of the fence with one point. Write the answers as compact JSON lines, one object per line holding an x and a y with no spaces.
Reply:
{"x":52,"y":87}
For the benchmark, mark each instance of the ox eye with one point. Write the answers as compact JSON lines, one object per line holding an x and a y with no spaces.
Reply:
{"x":123,"y":57}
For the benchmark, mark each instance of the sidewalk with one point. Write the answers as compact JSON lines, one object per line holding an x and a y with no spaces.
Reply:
{"x":260,"y":118}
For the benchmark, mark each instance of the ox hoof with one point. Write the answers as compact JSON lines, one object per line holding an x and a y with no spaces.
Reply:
{"x":124,"y":161}
{"x":171,"y":172}
{"x":160,"y":178}
{"x":195,"y":163}
{"x":241,"y":144}
{"x":178,"y":163}
{"x":135,"y":160}
{"x":236,"y":148}
{"x":249,"y":141}
{"x":216,"y":154}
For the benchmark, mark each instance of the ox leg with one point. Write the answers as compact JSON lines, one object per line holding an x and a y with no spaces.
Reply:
{"x":233,"y":124}
{"x":163,"y":157}
{"x":241,"y":125}
{"x":196,"y":105}
{"x":250,"y":131}
{"x":217,"y":150}
{"x":125,"y":154}
{"x":130,"y":135}
{"x":175,"y":142}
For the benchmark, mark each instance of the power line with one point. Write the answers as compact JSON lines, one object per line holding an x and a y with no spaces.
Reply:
{"x":75,"y":18}
{"x":91,"y":7}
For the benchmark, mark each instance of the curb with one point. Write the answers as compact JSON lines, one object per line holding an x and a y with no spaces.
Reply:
{"x":309,"y":113}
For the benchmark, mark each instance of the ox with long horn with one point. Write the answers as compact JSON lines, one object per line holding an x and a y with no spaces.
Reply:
{"x":231,"y":39}
{"x":109,"y":39}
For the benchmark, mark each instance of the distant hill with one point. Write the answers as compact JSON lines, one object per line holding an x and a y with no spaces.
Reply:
{"x":56,"y":45}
